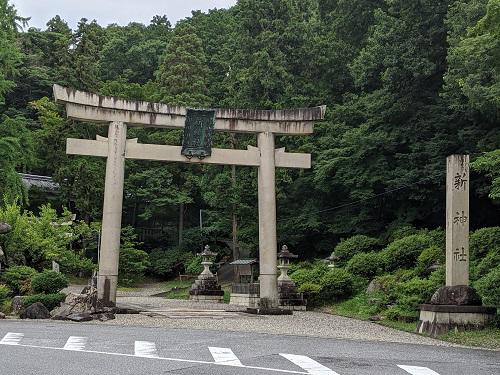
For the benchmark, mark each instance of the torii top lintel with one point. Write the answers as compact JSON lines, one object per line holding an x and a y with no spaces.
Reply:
{"x":81,"y":105}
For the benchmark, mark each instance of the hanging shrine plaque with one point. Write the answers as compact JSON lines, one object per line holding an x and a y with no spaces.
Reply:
{"x":198,"y":129}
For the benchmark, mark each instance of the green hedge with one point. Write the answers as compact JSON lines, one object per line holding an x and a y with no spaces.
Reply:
{"x":403,"y":253}
{"x":366,"y":264}
{"x":483,"y":240}
{"x":4,"y":293}
{"x":48,"y":282}
{"x":336,"y":284}
{"x":310,"y":275}
{"x":489,"y":287}
{"x":50,"y":301}
{"x":18,"y":278}
{"x":346,"y":249}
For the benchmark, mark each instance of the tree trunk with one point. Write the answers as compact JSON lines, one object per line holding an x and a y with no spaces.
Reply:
{"x":181,"y":222}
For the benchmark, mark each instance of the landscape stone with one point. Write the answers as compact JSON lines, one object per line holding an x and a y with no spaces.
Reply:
{"x":2,"y":315}
{"x":5,"y":228}
{"x":374,"y":287}
{"x":17,"y":305}
{"x":82,"y":317}
{"x":36,"y":311}
{"x":461,"y":295}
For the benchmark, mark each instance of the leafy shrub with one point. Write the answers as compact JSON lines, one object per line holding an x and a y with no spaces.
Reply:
{"x":411,"y":293}
{"x":396,"y":313}
{"x":365,"y":264}
{"x":48,"y":282}
{"x":387,"y":284}
{"x":50,"y":301}
{"x":488,"y":263}
{"x":346,"y":249}
{"x":403,"y":253}
{"x":133,"y":262}
{"x":483,"y":240}
{"x":429,"y":257}
{"x":193,"y":265}
{"x":309,"y":288}
{"x":4,"y":293}
{"x":336,"y":284}
{"x":167,"y":262}
{"x":18,"y":278}
{"x":489,"y":287}
{"x":310,"y":275}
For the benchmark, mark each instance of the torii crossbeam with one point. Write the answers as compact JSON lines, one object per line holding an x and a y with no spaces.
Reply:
{"x":119,"y":113}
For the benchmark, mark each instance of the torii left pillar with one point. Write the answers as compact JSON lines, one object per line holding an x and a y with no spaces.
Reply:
{"x":112,"y":214}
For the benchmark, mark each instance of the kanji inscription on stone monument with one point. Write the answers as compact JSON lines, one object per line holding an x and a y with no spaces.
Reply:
{"x":457,"y":220}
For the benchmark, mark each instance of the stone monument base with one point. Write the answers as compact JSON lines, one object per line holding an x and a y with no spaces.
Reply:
{"x":245,"y":294}
{"x":438,"y":319}
{"x":206,"y":289}
{"x":289,"y":296}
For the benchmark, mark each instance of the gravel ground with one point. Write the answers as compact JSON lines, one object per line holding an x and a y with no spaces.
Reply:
{"x":162,"y":312}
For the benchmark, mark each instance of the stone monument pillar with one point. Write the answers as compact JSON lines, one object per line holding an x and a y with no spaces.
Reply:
{"x":289,"y":296}
{"x":455,"y":305}
{"x":206,"y":287}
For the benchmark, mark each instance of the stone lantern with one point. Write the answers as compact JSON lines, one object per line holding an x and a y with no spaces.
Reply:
{"x":332,"y":259}
{"x":289,"y":296}
{"x":206,"y":287}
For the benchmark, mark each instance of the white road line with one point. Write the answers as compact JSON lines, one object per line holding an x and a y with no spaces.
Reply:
{"x":12,"y":338}
{"x":170,"y":359}
{"x":415,"y":370}
{"x":224,"y":356}
{"x":309,"y":364}
{"x":75,"y":343}
{"x":145,"y":349}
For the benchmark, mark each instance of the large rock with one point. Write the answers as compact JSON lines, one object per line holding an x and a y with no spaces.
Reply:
{"x":374,"y":287}
{"x":460,"y":295}
{"x":36,"y":311}
{"x":2,"y":315}
{"x":5,"y":228}
{"x":82,"y":317}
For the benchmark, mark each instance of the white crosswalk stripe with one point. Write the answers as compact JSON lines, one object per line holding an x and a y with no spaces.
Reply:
{"x":75,"y":343}
{"x":309,"y":364}
{"x":145,"y":349}
{"x":12,"y":338}
{"x":416,"y":370}
{"x":224,"y":356}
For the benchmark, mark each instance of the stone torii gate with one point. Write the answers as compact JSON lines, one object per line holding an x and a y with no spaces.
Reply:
{"x":119,"y":114}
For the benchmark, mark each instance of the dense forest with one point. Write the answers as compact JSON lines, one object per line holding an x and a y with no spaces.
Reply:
{"x":406,"y":83}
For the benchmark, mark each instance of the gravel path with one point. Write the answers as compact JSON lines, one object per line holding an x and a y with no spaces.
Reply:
{"x":162,"y":312}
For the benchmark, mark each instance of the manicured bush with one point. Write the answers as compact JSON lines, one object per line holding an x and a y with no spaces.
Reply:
{"x":346,"y":249}
{"x":489,"y":287}
{"x":411,"y":293}
{"x":310,"y":275}
{"x":4,"y":293}
{"x":50,"y":301}
{"x":403,"y":253}
{"x":366,"y":264}
{"x":428,"y":258}
{"x":488,"y":263}
{"x":18,"y":278}
{"x":483,"y":240}
{"x":336,"y":284}
{"x":310,"y":288}
{"x":48,"y":282}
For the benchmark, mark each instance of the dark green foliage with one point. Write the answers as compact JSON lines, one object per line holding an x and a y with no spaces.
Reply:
{"x":18,"y":278}
{"x":168,"y":262}
{"x":48,"y":282}
{"x":50,"y":301}
{"x":336,"y":284}
{"x":193,"y":266}
{"x":346,"y":249}
{"x":489,"y":287}
{"x":431,"y":256}
{"x":487,"y":264}
{"x":133,"y":262}
{"x":483,"y":240}
{"x":4,"y":293}
{"x":403,"y":253}
{"x":312,"y":274}
{"x":366,"y":264}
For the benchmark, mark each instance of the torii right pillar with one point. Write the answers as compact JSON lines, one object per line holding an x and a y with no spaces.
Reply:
{"x":455,"y":306}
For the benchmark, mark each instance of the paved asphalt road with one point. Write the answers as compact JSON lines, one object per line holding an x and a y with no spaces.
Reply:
{"x":53,"y":348}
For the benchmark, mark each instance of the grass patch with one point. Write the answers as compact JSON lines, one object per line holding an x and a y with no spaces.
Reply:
{"x":75,"y":280}
{"x":402,"y":326}
{"x":177,"y":289}
{"x":357,"y":307}
{"x":486,"y":338}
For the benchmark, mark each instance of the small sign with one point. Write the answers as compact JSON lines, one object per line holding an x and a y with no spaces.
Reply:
{"x":198,"y":129}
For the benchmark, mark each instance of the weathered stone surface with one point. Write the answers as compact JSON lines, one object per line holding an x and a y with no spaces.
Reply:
{"x":17,"y":305}
{"x":456,"y":295}
{"x":374,"y":287}
{"x":82,"y":317}
{"x":374,"y":318}
{"x":2,"y":315}
{"x":103,"y":317}
{"x":36,"y":311}
{"x":5,"y":228}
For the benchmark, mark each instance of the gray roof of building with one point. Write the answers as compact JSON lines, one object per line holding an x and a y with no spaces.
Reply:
{"x":242,"y":262}
{"x":44,"y":183}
